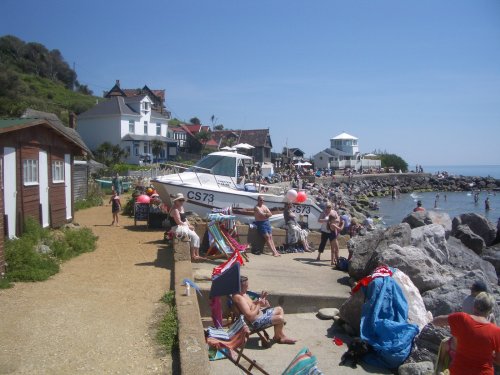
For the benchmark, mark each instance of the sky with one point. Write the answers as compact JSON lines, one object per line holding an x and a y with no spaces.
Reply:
{"x":417,"y":78}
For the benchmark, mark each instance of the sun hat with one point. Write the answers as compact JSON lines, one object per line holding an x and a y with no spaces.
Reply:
{"x":179,"y":197}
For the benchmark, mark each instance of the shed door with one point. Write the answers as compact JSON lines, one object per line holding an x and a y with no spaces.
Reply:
{"x":67,"y":189}
{"x":44,"y":187}
{"x":9,"y":188}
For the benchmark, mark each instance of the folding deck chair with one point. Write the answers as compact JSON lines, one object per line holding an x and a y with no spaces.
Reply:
{"x":234,"y":314}
{"x":231,"y":344}
{"x":226,"y":246}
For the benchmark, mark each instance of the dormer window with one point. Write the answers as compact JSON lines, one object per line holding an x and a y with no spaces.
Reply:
{"x":146,"y":106}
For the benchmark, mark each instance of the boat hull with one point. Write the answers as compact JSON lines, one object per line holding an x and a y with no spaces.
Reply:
{"x":201,"y":199}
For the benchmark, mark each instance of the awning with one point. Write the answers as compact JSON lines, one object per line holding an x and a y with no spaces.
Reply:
{"x":142,"y":137}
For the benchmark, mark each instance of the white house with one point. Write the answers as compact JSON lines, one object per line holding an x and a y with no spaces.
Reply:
{"x":344,"y":153}
{"x":130,"y":123}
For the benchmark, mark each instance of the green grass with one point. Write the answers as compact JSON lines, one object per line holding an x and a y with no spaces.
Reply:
{"x":167,"y":334}
{"x":25,"y":263}
{"x":94,"y":198}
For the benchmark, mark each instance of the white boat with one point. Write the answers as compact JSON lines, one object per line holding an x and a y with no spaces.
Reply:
{"x":214,"y":183}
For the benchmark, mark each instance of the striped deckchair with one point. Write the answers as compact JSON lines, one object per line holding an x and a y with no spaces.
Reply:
{"x":234,"y":340}
{"x":218,"y":242}
{"x":235,"y":245}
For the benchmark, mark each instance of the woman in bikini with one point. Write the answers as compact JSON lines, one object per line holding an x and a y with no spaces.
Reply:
{"x":336,"y":224}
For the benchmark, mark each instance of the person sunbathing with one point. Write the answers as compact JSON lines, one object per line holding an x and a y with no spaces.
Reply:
{"x":260,"y":314}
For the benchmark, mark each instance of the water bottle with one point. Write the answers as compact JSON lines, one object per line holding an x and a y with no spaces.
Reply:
{"x":188,"y":289}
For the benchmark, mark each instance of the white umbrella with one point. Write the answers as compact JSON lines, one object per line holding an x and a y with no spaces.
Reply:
{"x":227,"y":148}
{"x":245,"y":146}
{"x":303,"y":164}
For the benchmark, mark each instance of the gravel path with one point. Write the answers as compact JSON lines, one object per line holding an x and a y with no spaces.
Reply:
{"x":98,"y":315}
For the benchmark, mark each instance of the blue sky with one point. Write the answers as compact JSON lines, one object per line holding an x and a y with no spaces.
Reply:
{"x":417,"y":78}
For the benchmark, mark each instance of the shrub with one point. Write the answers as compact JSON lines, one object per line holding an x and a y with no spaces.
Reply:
{"x":25,"y":263}
{"x":93,"y":198}
{"x":80,"y":240}
{"x":167,"y":333}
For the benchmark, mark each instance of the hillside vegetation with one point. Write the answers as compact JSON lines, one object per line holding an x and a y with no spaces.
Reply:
{"x":31,"y":76}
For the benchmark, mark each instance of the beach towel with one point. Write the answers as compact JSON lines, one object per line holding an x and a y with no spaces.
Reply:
{"x":304,"y":363}
{"x":384,"y":324}
{"x":216,"y":311}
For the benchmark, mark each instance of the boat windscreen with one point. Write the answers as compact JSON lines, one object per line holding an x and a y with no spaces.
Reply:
{"x":216,"y":164}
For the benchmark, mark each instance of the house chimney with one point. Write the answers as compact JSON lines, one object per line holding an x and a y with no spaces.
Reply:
{"x":72,"y":121}
{"x":118,"y":82}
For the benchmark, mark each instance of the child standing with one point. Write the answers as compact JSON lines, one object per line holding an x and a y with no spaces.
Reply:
{"x":115,"y":207}
{"x":335,"y":224}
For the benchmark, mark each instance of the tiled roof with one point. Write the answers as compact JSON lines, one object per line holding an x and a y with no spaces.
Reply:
{"x":197,"y":128}
{"x":254,"y":137}
{"x":113,"y":106}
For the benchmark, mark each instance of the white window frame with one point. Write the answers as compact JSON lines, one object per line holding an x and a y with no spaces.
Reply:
{"x":131,"y":126}
{"x":158,"y":128}
{"x":57,"y":177}
{"x":145,"y":127}
{"x":30,"y":172}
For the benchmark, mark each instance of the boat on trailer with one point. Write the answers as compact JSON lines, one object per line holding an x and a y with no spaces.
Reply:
{"x":216,"y":182}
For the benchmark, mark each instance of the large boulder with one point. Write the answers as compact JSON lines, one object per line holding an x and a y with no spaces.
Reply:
{"x":463,"y":258}
{"x":441,"y":218}
{"x":478,"y":224}
{"x":350,"y":311}
{"x":424,"y":271}
{"x":492,"y":255}
{"x":469,"y":238}
{"x":426,"y":344}
{"x":417,"y":219}
{"x":449,"y":297}
{"x":432,"y":239}
{"x":365,"y":248}
{"x":362,"y":248}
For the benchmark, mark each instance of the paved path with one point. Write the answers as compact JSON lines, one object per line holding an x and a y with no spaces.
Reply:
{"x":98,"y":315}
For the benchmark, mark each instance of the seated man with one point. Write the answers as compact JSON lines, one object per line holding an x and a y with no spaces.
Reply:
{"x":259,"y":313}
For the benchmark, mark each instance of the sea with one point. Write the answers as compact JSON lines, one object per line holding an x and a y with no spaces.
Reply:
{"x":392,"y":211}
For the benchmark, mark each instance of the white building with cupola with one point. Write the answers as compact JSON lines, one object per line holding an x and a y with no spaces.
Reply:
{"x":344,"y":153}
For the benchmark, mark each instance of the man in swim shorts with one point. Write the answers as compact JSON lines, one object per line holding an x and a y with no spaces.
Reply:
{"x":260,"y":314}
{"x":262,"y":215}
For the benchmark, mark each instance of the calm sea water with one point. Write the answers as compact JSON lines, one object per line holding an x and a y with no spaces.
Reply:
{"x":393,"y":211}
{"x":465,"y":170}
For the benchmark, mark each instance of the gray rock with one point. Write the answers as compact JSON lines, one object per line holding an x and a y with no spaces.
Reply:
{"x":492,"y":255}
{"x":42,"y":249}
{"x":362,"y":248}
{"x":463,"y":258}
{"x":424,"y":271}
{"x":426,"y":344}
{"x":350,"y":311}
{"x":469,"y":238}
{"x":420,"y":368}
{"x":432,"y":239}
{"x":478,"y":224}
{"x":441,"y":218}
{"x":328,"y":313}
{"x":417,"y":219}
{"x":448,"y":298}
{"x":365,"y":248}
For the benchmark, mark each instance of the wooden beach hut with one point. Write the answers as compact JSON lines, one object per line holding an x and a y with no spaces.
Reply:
{"x":36,"y":162}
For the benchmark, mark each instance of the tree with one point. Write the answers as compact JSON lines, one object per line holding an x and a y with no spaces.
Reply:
{"x":219,"y":127}
{"x":394,"y":161}
{"x":174,"y":122}
{"x":195,"y":121}
{"x":203,"y":137}
{"x":157,"y":147}
{"x":109,"y":154}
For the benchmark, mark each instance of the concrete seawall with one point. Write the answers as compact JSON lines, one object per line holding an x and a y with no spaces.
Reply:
{"x":192,"y":346}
